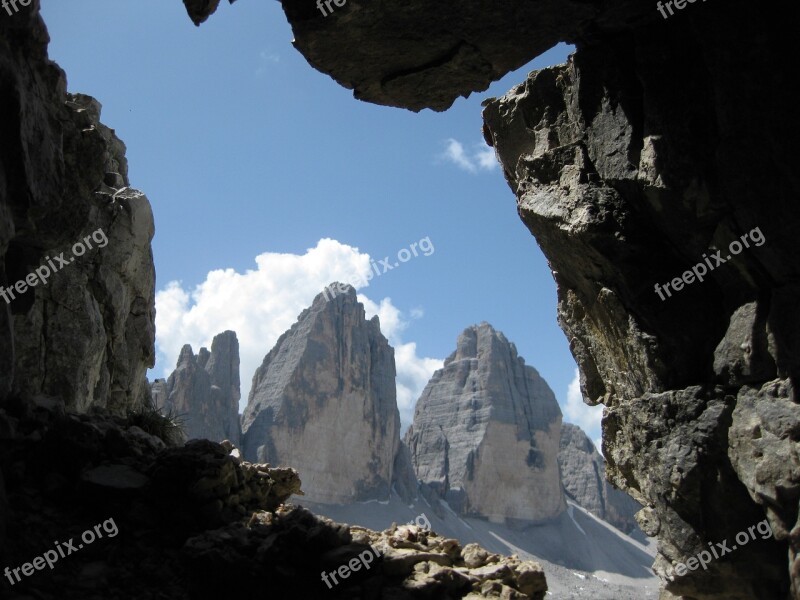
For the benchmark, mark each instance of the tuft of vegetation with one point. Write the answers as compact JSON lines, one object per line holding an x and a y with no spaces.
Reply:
{"x":168,"y":427}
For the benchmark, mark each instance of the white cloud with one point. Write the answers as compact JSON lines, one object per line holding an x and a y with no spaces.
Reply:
{"x":586,"y":417}
{"x":259,"y":305}
{"x":416,"y":373}
{"x":485,"y":158}
{"x":598,"y":443}
{"x":269,"y":57}
{"x":455,"y":153}
{"x":481,"y":158}
{"x":266,"y":58}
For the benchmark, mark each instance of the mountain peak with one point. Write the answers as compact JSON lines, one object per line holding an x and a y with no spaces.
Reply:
{"x":484,"y":418}
{"x":324,"y":401}
{"x":205,"y":389}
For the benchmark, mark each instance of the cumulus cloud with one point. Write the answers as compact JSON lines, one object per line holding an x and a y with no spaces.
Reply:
{"x":586,"y":417}
{"x":481,"y":158}
{"x":260,"y":304}
{"x":485,"y":158}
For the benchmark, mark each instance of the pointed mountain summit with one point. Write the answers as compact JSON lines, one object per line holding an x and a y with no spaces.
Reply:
{"x":205,"y":390}
{"x":324,"y":402}
{"x":486,"y":433}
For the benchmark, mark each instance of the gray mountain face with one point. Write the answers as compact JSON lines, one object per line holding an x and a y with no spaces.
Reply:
{"x":324,"y":401}
{"x":486,"y":432}
{"x":583,"y":474}
{"x":205,"y":390}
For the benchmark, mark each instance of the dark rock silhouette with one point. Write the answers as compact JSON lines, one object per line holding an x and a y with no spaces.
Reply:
{"x":86,"y":331}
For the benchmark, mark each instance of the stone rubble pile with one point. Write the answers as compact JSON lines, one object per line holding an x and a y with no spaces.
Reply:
{"x":197,"y":521}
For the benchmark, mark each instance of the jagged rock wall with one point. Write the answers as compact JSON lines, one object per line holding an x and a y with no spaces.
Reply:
{"x":664,"y":140}
{"x":486,"y":432}
{"x":324,"y":401}
{"x":420,"y":55}
{"x":204,"y":390}
{"x":87,"y":334}
{"x":583,"y":474}
{"x":629,"y":173}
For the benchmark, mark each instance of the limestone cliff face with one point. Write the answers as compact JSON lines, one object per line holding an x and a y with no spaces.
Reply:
{"x":204,"y":390}
{"x":324,"y":401}
{"x":583,"y":474}
{"x":629,"y":173}
{"x":87,"y":334}
{"x":486,"y":432}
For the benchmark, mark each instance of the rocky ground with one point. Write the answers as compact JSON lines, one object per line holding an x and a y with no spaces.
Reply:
{"x":582,"y":555}
{"x":195,"y":521}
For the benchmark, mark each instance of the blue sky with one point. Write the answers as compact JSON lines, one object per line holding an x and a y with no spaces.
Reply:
{"x":245,"y":151}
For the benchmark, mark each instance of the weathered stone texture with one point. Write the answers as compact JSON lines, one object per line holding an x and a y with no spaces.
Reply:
{"x":86,"y":335}
{"x":627,"y":171}
{"x":583,"y":474}
{"x":324,"y":402}
{"x":419,"y":55}
{"x":486,"y":432}
{"x":204,"y":391}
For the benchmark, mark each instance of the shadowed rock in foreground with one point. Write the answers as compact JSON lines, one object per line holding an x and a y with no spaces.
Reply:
{"x":197,"y":522}
{"x":421,"y":55}
{"x":622,"y":195}
{"x":84,"y":329}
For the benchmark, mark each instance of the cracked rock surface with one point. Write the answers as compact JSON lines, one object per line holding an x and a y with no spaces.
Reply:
{"x":86,"y":334}
{"x":631,"y":163}
{"x":421,"y":55}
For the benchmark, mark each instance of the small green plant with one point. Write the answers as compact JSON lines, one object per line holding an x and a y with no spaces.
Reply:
{"x":168,"y":427}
